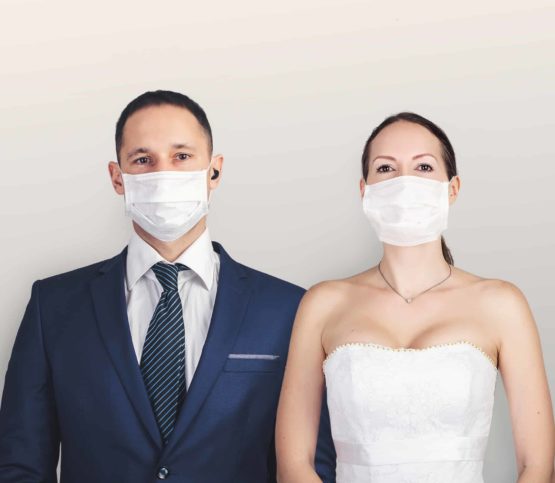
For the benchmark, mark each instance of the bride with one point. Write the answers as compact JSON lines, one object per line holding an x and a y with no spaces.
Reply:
{"x":409,"y":350}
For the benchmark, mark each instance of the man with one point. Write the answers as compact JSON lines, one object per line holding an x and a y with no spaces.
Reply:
{"x":164,"y":362}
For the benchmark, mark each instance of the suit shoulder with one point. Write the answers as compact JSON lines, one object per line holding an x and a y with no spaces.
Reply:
{"x":265,"y":281}
{"x":75,"y":276}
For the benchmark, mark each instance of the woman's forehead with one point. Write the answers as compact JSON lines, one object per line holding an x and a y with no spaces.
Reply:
{"x":405,"y":139}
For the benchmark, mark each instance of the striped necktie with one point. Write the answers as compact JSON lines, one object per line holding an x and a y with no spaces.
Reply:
{"x":163,"y":358}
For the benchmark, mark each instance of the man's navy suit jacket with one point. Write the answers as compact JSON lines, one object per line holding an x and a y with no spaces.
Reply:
{"x":73,"y":378}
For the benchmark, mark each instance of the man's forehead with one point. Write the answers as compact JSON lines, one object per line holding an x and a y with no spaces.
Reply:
{"x":161,"y":128}
{"x":162,"y":132}
{"x":155,"y":118}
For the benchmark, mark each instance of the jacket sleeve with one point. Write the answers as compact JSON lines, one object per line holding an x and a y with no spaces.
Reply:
{"x":29,"y":436}
{"x":325,"y":450}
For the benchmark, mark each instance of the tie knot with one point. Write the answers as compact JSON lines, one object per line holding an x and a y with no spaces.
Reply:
{"x":166,"y":273}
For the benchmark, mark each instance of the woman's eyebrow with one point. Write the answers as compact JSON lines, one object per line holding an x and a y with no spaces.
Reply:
{"x":393,"y":158}
{"x":422,"y":155}
{"x":381,"y":156}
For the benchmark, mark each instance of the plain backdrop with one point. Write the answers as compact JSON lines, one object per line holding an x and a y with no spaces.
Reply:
{"x":292,"y":90}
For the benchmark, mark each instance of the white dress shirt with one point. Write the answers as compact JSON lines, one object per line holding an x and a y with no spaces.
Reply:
{"x":197,"y":290}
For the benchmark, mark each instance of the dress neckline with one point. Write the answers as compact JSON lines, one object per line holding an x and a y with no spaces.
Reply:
{"x":375,"y":345}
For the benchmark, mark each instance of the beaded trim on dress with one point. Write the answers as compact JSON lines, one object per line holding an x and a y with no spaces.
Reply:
{"x":409,"y":349}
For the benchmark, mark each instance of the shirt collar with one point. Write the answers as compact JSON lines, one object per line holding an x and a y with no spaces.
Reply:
{"x":199,"y":257}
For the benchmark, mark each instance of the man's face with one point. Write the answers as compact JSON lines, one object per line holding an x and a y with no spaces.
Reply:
{"x":163,"y":138}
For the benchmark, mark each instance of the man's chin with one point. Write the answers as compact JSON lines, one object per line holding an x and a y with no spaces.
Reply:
{"x":196,"y":230}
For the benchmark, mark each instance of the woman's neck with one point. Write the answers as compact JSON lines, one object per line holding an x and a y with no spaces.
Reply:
{"x":413,"y":269}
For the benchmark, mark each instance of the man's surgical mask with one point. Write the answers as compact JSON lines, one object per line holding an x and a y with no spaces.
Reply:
{"x":166,"y":204}
{"x":407,"y":210}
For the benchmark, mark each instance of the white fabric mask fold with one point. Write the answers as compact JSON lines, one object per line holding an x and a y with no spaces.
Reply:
{"x":407,"y":210}
{"x":166,"y":204}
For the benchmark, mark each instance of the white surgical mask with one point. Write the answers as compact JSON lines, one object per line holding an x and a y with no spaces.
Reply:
{"x":166,"y":204}
{"x":407,"y":210}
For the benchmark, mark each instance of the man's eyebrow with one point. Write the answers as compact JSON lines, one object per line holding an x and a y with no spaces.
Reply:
{"x":137,"y":151}
{"x":182,"y":146}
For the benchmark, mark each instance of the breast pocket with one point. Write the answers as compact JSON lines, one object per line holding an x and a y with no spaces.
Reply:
{"x":252,"y":363}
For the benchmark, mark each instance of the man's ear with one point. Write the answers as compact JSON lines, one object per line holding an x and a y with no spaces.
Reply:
{"x":215,"y":174}
{"x":115,"y":176}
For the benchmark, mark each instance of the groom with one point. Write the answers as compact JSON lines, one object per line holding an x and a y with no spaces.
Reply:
{"x":164,"y":362}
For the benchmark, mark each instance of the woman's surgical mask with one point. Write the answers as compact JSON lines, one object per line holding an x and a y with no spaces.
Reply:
{"x":407,"y":210}
{"x":166,"y":204}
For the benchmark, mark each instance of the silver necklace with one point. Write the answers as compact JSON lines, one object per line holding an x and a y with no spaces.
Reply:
{"x":408,"y":300}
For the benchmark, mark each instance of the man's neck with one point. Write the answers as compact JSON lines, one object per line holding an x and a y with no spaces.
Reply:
{"x":170,"y":251}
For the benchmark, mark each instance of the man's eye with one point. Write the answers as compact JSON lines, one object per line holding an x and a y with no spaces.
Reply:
{"x":384,"y":168}
{"x":426,"y":167}
{"x":142,"y":160}
{"x":183,"y":156}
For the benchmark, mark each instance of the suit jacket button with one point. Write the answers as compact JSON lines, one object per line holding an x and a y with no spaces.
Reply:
{"x":163,"y":473}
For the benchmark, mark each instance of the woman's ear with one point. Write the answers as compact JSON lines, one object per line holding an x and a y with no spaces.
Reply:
{"x":362,"y":187}
{"x":454,"y":187}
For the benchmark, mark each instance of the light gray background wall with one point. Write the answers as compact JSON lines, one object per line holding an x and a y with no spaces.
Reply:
{"x":292,"y":89}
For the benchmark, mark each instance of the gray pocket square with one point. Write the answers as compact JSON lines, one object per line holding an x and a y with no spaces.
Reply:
{"x":253,"y":356}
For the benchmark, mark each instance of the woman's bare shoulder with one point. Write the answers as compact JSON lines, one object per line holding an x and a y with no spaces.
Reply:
{"x":505,"y":300}
{"x":500,"y":301}
{"x":339,"y":287}
{"x":490,"y":288}
{"x":332,"y":294}
{"x":493,"y":291}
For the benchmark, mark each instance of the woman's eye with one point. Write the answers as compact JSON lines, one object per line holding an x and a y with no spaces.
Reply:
{"x":142,"y":160}
{"x":384,"y":168}
{"x":183,"y":156}
{"x":425,"y":166}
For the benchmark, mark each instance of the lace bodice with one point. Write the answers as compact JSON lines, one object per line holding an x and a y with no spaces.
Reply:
{"x":410,"y":415}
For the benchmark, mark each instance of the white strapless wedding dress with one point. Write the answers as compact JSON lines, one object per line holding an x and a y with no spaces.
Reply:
{"x":410,"y":415}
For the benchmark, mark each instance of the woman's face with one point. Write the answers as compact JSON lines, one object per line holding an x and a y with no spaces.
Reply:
{"x":407,"y":149}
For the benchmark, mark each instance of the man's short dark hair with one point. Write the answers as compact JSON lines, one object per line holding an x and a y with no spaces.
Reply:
{"x":159,"y":98}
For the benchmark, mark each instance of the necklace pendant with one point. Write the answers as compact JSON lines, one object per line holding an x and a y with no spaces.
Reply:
{"x":410,"y":299}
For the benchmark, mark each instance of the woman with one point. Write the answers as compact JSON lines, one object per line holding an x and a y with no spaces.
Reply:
{"x":409,"y":350}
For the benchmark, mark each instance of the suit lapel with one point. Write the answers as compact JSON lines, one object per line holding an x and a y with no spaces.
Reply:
{"x":111,"y":314}
{"x":229,"y":309}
